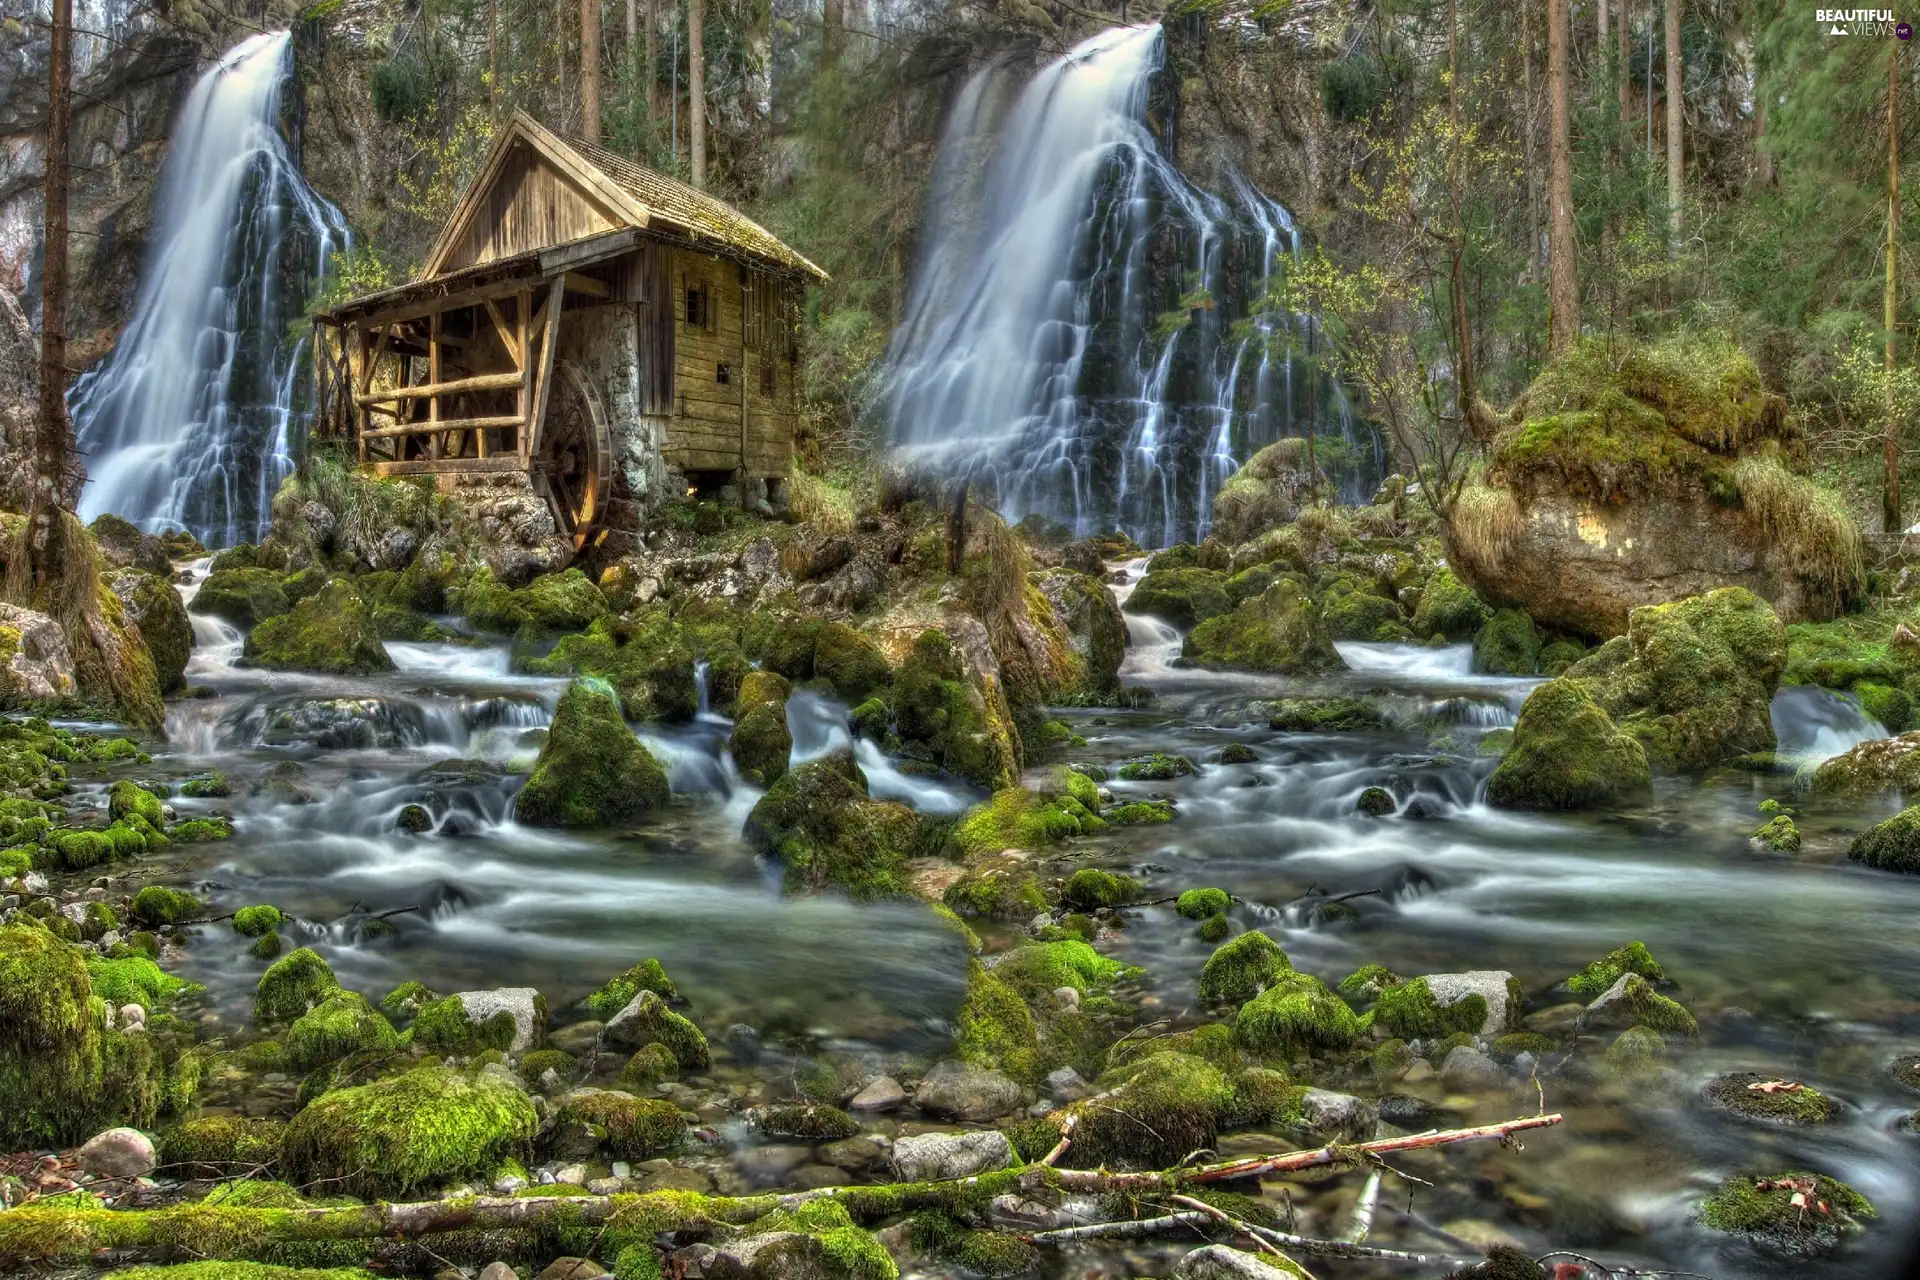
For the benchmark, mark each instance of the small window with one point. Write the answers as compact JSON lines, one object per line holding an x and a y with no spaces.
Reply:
{"x":767,"y":387}
{"x":697,"y":306}
{"x":723,"y":374}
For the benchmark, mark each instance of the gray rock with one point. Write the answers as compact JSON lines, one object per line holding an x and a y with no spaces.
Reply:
{"x":606,"y":1186}
{"x":1217,"y":1262}
{"x":497,"y":1271}
{"x":1525,"y":1064}
{"x":1618,"y":1007}
{"x":863,"y":1154}
{"x":776,"y":1255}
{"x":1471,"y":1071}
{"x":1338,"y":1115}
{"x":956,"y":1091}
{"x":524,"y":1003}
{"x":936,"y":1157}
{"x":1489,"y":984}
{"x":118,"y":1153}
{"x":41,"y":666}
{"x":1023,"y":1214}
{"x":743,"y":1042}
{"x":880,"y":1094}
{"x":1066,"y":997}
{"x":1066,"y":1085}
{"x":763,"y":1165}
{"x":573,"y":1269}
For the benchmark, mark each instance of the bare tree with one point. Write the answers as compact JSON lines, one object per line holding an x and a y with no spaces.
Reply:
{"x":1563,"y":288}
{"x":590,"y":70}
{"x":53,"y":437}
{"x":653,"y":63}
{"x":1676,"y":101}
{"x":697,"y":88}
{"x":1891,"y":521}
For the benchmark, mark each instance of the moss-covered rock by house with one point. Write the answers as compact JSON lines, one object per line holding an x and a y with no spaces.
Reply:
{"x":761,"y":741}
{"x":1796,"y":1213}
{"x":565,"y":601}
{"x":1567,"y":754}
{"x":940,"y":711}
{"x":994,"y":1028}
{"x":1280,"y":630}
{"x":330,"y":631}
{"x":618,"y":993}
{"x":635,"y":1128}
{"x":1592,"y":981}
{"x":1507,"y":645}
{"x":292,"y":985}
{"x":1892,"y":845}
{"x":1296,"y":1016}
{"x":152,"y":605}
{"x":408,"y":1133}
{"x":1183,"y":597}
{"x":997,"y":888}
{"x":244,"y":597}
{"x":646,"y":659}
{"x":592,"y":771}
{"x":1241,"y":969}
{"x":1693,"y":680}
{"x":340,"y":1025}
{"x":819,"y":820}
{"x":849,"y":661}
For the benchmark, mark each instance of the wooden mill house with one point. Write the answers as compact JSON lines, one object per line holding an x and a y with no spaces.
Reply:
{"x":583,"y":325}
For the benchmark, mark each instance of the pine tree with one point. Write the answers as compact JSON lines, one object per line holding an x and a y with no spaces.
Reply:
{"x":1563,"y":282}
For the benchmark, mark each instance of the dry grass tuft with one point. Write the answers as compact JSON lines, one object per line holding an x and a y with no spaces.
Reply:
{"x":1484,"y":522}
{"x":1811,"y":525}
{"x":818,"y":501}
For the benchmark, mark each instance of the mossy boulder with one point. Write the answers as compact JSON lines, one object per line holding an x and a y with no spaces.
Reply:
{"x":1693,"y":680}
{"x":157,"y":905}
{"x":1324,"y":715}
{"x":1892,"y":845}
{"x":1450,"y":609}
{"x":1280,"y":630}
{"x":1412,"y":1011}
{"x":1151,"y":1113}
{"x":820,"y":822}
{"x":1770,"y":1098}
{"x":1879,"y":764}
{"x":340,"y":1025}
{"x":565,"y":601}
{"x":646,"y":658}
{"x":50,"y":1041}
{"x":1778,"y":834}
{"x":1632,"y":1002}
{"x":210,"y":1146}
{"x":1796,"y":1213}
{"x":592,"y":771}
{"x":634,"y":1128}
{"x":1202,"y":904}
{"x":1354,"y":611}
{"x":1507,"y":645}
{"x":1568,"y":754}
{"x":1091,"y":888}
{"x":939,"y":710}
{"x":1036,"y":969}
{"x":244,"y":597}
{"x":122,"y":545}
{"x":647,"y":1020}
{"x":409,"y":1133}
{"x":330,"y":631}
{"x":1094,"y":627}
{"x":1183,"y":597}
{"x":292,"y":985}
{"x":1241,"y":969}
{"x":1592,"y":981}
{"x":152,"y":605}
{"x":994,"y":1028}
{"x":851,"y":662}
{"x":1296,"y":1017}
{"x":761,"y":741}
{"x":1269,"y":489}
{"x":618,"y":993}
{"x":997,"y":888}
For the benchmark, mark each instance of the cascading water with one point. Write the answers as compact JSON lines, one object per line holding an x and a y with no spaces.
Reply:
{"x":1085,"y":332}
{"x":190,"y":422}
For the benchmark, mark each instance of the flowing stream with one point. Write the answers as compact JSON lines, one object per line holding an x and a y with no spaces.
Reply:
{"x":191,"y":421}
{"x":1085,"y":331}
{"x":1801,"y":967}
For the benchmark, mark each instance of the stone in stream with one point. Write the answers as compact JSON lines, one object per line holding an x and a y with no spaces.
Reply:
{"x":524,"y":1005}
{"x":1495,"y":986}
{"x":883,"y":1093}
{"x":1632,"y":1002}
{"x":743,"y":1042}
{"x":937,"y":1157}
{"x":1335,"y":1116}
{"x":1217,"y":1262}
{"x":573,"y":1269}
{"x":1471,"y":1071}
{"x":497,"y":1271}
{"x":118,"y":1153}
{"x":772,"y":1255}
{"x":954,"y":1090}
{"x":1066,"y":1085}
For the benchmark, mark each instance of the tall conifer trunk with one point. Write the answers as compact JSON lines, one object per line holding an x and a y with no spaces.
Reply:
{"x":1563,"y":288}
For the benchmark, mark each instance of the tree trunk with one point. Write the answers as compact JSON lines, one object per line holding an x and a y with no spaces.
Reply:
{"x":1464,"y":390}
{"x":1762,"y":157}
{"x":697,"y":88}
{"x":652,"y":73}
{"x":1890,"y":459}
{"x":1563,"y":289}
{"x":1676,"y":99}
{"x":590,"y":70}
{"x":53,"y":442}
{"x":493,"y":59}
{"x":1530,"y":156}
{"x":1624,"y":80}
{"x":561,"y":80}
{"x":833,"y":31}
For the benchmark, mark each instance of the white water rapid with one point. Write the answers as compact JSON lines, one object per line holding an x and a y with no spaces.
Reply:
{"x":190,"y":422}
{"x":1085,"y":332}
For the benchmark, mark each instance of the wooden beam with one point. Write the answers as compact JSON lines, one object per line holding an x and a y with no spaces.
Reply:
{"x":524,"y":398}
{"x":433,"y":383}
{"x":506,"y":337}
{"x":588,"y":250}
{"x":432,"y":390}
{"x":445,"y":466}
{"x":543,"y":388}
{"x":587,"y":285}
{"x":450,"y":424}
{"x":373,"y":362}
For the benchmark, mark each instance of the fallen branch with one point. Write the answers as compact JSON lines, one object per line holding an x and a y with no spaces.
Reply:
{"x":1347,"y":1249}
{"x":1123,"y":1229}
{"x":1243,"y":1228}
{"x":1066,"y":1140}
{"x":1362,"y":1221}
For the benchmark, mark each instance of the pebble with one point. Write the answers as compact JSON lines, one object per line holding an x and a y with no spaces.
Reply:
{"x":1066,"y":997}
{"x":606,"y":1186}
{"x":118,"y":1153}
{"x":1217,"y":1262}
{"x":1066,"y":1085}
{"x":573,"y":1269}
{"x":1419,"y":1073}
{"x":743,"y":1042}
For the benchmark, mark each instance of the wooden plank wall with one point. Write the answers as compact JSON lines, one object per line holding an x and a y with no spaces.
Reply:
{"x":708,"y":432}
{"x":530,"y":206}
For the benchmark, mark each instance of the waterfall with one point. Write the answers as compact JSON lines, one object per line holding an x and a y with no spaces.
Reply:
{"x":190,"y":422}
{"x":1084,"y":334}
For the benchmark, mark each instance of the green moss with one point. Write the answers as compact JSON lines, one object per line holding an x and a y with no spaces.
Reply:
{"x":1746,"y":1094}
{"x":637,"y":1128}
{"x":1645,"y":1007}
{"x":445,"y":1027}
{"x":240,"y":1271}
{"x":1151,"y":1113}
{"x":156,"y":905}
{"x":1390,"y":1060}
{"x":50,"y":1041}
{"x":810,"y":1122}
{"x":994,"y":1028}
{"x":1591,"y":981}
{"x":1038,"y":968}
{"x":1184,"y":597}
{"x":1890,"y":706}
{"x":78,"y":850}
{"x":407,"y":1133}
{"x":292,"y":985}
{"x":1376,"y":802}
{"x":997,"y":889}
{"x":1507,"y":645}
{"x":201,"y":830}
{"x":1764,"y":1207}
{"x":406,"y":1000}
{"x":1281,"y":630}
{"x":1567,"y":754}
{"x":1214,"y":929}
{"x":820,"y":822}
{"x":1296,"y":1017}
{"x":126,"y":800}
{"x":954,"y":722}
{"x":137,"y":980}
{"x":1892,"y":845}
{"x":1353,"y":612}
{"x":1016,"y":818}
{"x":1090,"y":888}
{"x":618,"y":993}
{"x":1140,"y":813}
{"x":1324,"y":715}
{"x":995,"y":1253}
{"x":1202,"y":904}
{"x":646,"y":659}
{"x":1156,"y":768}
{"x":654,"y":1023}
{"x":331,"y":631}
{"x":268,"y":947}
{"x":1635,"y":1054}
{"x":1241,"y":969}
{"x":592,"y":771}
{"x":851,"y":662}
{"x":256,"y":922}
{"x":1449,"y":608}
{"x":848,"y":1252}
{"x":761,"y":741}
{"x":226,"y":1143}
{"x":565,"y":601}
{"x":243,"y":597}
{"x":1409,"y":1010}
{"x":648,"y":1066}
{"x":1515,"y":1043}
{"x":342,"y":1024}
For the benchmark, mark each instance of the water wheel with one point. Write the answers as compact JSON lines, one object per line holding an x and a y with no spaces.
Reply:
{"x":576,"y":453}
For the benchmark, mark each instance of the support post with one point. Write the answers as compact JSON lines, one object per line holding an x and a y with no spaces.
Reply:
{"x":435,"y":446}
